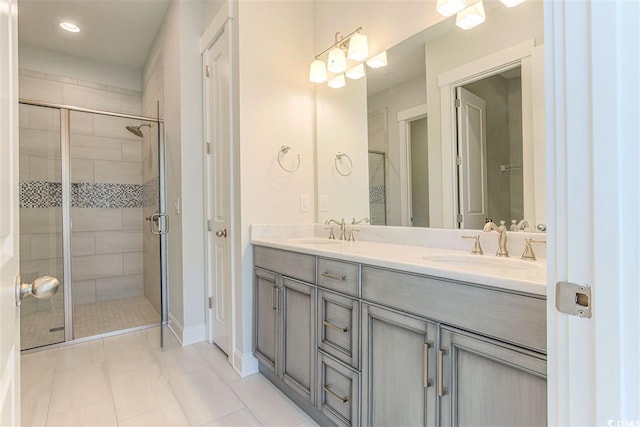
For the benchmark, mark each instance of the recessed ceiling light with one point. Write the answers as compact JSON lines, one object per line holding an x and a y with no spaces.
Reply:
{"x":68,"y":26}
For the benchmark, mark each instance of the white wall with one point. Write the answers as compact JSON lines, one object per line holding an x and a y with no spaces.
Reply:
{"x":459,"y":47}
{"x":177,"y":43}
{"x":275,"y":107}
{"x":48,"y":62}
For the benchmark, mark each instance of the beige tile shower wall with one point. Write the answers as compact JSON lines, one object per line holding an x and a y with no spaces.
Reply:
{"x":152,"y":101}
{"x":107,"y":248}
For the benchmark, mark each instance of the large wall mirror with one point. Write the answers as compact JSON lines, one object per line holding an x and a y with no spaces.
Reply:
{"x":451,"y":132}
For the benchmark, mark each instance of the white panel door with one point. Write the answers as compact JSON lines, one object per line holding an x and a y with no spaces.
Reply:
{"x":9,"y":250}
{"x":472,"y":149}
{"x":217,"y":98}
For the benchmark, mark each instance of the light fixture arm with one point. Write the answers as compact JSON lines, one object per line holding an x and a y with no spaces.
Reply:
{"x":339,"y":42}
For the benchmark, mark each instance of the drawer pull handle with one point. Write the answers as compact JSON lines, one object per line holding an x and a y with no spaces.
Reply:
{"x":331,"y":276}
{"x":331,"y":325}
{"x":441,"y":389}
{"x":426,"y":382}
{"x":327,"y":388}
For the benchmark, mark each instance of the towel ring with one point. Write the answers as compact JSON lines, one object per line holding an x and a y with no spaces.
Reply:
{"x":284,"y":150}
{"x":339,"y":156}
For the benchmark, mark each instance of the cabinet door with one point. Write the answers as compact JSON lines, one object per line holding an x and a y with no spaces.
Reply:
{"x":398,"y":369}
{"x":266,"y":317}
{"x":487,"y":383}
{"x":297,"y":365}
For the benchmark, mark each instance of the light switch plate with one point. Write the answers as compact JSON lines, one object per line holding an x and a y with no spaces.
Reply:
{"x":324,"y":203}
{"x":304,"y":203}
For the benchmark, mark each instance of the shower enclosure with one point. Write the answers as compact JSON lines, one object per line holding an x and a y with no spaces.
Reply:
{"x":91,"y":203}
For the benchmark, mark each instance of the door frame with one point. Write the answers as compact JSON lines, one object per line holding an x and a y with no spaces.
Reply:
{"x":405,"y":117}
{"x":448,"y":81}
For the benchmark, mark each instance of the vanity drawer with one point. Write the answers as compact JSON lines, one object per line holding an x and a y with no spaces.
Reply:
{"x":339,"y":327}
{"x":338,"y":391}
{"x":515,"y":318}
{"x":291,"y":264}
{"x":339,"y":276}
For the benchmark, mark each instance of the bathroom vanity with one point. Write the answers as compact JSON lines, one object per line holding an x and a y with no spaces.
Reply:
{"x":370,"y":333}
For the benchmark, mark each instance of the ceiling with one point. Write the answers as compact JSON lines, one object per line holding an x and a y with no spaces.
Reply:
{"x":117,"y":32}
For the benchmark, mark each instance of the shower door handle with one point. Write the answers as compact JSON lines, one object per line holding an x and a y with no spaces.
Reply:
{"x":154,"y":223}
{"x":44,"y":287}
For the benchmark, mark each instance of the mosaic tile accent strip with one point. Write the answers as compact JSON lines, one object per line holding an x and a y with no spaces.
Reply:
{"x":42,"y":194}
{"x":151,"y":192}
{"x":376,"y":194}
{"x":88,"y":195}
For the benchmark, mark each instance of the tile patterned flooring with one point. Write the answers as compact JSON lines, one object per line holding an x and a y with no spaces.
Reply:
{"x":88,"y":320}
{"x":127,"y":380}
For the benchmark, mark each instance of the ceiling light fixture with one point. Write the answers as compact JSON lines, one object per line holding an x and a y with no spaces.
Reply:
{"x":471,"y":16}
{"x":68,"y":26}
{"x":450,"y":7}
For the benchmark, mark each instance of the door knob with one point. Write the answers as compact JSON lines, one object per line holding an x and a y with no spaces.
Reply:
{"x":43,"y":287}
{"x":222,"y":233}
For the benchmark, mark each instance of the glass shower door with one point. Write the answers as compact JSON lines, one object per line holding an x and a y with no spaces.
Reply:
{"x":41,"y":236}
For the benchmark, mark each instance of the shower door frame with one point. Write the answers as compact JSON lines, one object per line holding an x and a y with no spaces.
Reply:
{"x":65,"y":159}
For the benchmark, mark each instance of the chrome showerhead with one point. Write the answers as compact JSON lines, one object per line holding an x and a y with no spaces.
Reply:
{"x":136,"y":129}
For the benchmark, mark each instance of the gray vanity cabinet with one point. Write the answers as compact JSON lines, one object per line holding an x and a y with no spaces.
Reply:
{"x":266,"y":318}
{"x":398,"y":369}
{"x":298,"y":313}
{"x":285,"y":320}
{"x":488,"y":383}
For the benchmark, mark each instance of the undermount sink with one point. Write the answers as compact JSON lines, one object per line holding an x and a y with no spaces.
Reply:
{"x":487,"y":262}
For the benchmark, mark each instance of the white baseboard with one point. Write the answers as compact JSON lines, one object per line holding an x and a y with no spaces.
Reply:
{"x":175,"y":327}
{"x":186,"y":336}
{"x":194,"y":334}
{"x":245,"y":364}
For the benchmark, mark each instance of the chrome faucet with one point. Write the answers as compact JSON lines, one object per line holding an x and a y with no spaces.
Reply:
{"x":341,"y":224}
{"x":502,"y":237}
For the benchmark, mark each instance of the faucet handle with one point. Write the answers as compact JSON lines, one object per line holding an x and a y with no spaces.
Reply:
{"x":331,"y":235}
{"x":351,"y":238}
{"x":477,"y":249}
{"x":528,"y":253}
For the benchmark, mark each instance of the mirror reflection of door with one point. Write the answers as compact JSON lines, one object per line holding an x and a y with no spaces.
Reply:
{"x":499,"y":164}
{"x":419,"y":172}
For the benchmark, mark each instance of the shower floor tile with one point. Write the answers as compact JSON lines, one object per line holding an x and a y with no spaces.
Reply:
{"x":88,"y":320}
{"x":108,"y":316}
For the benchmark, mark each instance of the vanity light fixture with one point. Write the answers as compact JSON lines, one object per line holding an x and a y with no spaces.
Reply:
{"x":378,"y":61}
{"x":68,"y":26}
{"x":358,"y":47}
{"x":318,"y":72}
{"x":337,"y":61}
{"x":356,"y":72}
{"x":511,"y":3}
{"x":471,"y":16}
{"x":450,"y":7}
{"x":354,"y":46}
{"x":337,"y":82}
